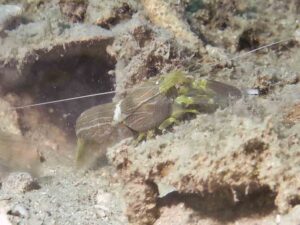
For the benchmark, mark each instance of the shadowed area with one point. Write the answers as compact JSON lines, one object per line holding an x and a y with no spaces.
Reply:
{"x":65,"y":71}
{"x":221,"y":205}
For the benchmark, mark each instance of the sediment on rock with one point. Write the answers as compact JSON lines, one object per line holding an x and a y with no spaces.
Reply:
{"x":231,"y":174}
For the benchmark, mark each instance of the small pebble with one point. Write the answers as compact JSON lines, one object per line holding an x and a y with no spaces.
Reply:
{"x":104,"y":204}
{"x":297,"y":35}
{"x":252,"y":91}
{"x":104,"y":198}
{"x":165,"y":189}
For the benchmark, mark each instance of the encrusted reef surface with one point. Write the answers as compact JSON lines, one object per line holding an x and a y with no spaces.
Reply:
{"x":239,"y":165}
{"x":224,"y":160}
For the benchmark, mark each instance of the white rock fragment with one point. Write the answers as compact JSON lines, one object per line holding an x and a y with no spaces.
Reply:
{"x":8,"y":118}
{"x":8,"y":13}
{"x":118,"y":113}
{"x":252,"y":91}
{"x":293,"y":217}
{"x":297,"y":35}
{"x":278,"y":219}
{"x":165,"y":189}
{"x":104,"y":198}
{"x":104,"y":204}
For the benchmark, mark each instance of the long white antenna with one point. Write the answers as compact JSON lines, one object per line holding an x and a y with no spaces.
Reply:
{"x":64,"y":100}
{"x":70,"y":99}
{"x":259,"y":48}
{"x":113,"y":92}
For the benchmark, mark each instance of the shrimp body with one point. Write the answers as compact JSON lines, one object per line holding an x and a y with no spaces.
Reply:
{"x":156,"y":103}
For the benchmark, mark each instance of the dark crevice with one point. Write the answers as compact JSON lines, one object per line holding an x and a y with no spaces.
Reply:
{"x":67,"y":78}
{"x":64,"y":72}
{"x":248,"y":40}
{"x":221,"y":205}
{"x":122,"y":13}
{"x":295,"y":201}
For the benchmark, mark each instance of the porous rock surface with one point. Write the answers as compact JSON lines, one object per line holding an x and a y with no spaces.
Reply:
{"x":143,"y":51}
{"x":17,"y":183}
{"x":48,"y":44}
{"x":224,"y":159}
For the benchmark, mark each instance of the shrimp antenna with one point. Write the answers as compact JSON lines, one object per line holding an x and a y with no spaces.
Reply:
{"x":259,"y":48}
{"x":64,"y":100}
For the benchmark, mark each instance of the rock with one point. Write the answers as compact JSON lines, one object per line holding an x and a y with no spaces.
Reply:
{"x":175,"y":215}
{"x":142,"y":51}
{"x":293,"y":114}
{"x":209,"y":155}
{"x":8,"y":118}
{"x":293,"y":217}
{"x":42,"y":45}
{"x":73,"y":10}
{"x":161,"y":13}
{"x":9,"y":13}
{"x":104,"y":198}
{"x":19,"y":182}
{"x":104,"y":204}
{"x":141,"y":198}
{"x":108,"y":13}
{"x":164,"y":189}
{"x":297,"y":35}
{"x":19,"y":211}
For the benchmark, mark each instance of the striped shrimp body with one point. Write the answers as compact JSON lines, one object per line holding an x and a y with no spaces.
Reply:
{"x":156,"y":103}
